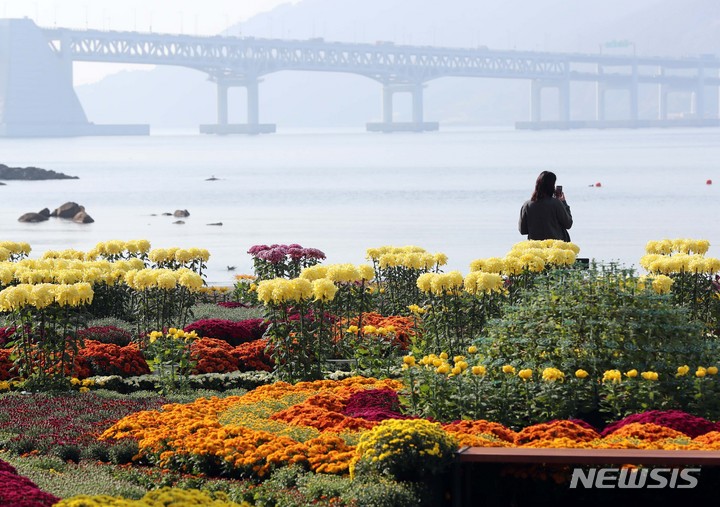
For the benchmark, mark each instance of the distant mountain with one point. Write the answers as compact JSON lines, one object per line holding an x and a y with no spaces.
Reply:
{"x":170,"y":96}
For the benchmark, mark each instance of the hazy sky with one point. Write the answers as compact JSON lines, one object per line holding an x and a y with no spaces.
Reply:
{"x":201,"y":17}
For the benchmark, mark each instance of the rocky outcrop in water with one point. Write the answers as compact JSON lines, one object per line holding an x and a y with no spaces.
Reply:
{"x":31,"y":173}
{"x":70,"y":210}
{"x":32,"y":218}
{"x":67,"y":210}
{"x":82,"y":218}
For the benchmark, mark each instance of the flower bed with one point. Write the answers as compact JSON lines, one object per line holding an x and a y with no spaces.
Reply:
{"x":235,"y":333}
{"x":311,"y":422}
{"x":19,"y":491}
{"x":111,"y":359}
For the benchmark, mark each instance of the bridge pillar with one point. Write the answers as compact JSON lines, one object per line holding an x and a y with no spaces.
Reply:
{"x":718,"y":98}
{"x":662,"y":96}
{"x":634,"y":93}
{"x":662,"y":102}
{"x":417,"y":124}
{"x":387,"y":105}
{"x":563,"y":88}
{"x":564,"y":100}
{"x":698,"y":95}
{"x":535,"y":100}
{"x":417,"y":103}
{"x":253,"y":125}
{"x":253,"y":102}
{"x":222,"y":103}
{"x":600,"y":88}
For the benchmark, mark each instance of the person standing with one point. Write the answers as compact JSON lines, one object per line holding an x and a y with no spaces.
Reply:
{"x":546,"y":215}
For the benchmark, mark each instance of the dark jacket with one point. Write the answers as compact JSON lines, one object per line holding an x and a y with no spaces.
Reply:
{"x":547,"y":218}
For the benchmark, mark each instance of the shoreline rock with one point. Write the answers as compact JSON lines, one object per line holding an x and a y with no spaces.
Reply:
{"x":69,"y":211}
{"x":32,"y":218}
{"x":31,"y":174}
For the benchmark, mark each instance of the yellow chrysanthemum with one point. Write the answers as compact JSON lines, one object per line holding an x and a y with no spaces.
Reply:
{"x":324,"y":289}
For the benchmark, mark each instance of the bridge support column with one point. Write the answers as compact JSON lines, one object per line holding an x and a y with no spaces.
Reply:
{"x":222,"y":103}
{"x":564,"y":101}
{"x":253,"y":103}
{"x":634,"y":93}
{"x":563,"y":106}
{"x":662,"y":96}
{"x":387,"y":104}
{"x":600,"y":102}
{"x":253,"y":125}
{"x":417,"y":124}
{"x":600,"y":88}
{"x":698,"y":96}
{"x":662,"y":102}
{"x":717,"y":94}
{"x":417,"y":103}
{"x":536,"y":100}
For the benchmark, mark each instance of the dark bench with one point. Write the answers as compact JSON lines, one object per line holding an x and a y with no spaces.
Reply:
{"x":587,"y":456}
{"x":476,"y":475}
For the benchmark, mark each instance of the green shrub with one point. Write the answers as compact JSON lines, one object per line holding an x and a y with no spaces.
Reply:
{"x":68,"y":452}
{"x":22,"y":445}
{"x":221,"y":382}
{"x":123,"y":452}
{"x":107,"y":334}
{"x":97,"y":452}
{"x":596,"y":320}
{"x":378,"y":491}
{"x":213,"y":311}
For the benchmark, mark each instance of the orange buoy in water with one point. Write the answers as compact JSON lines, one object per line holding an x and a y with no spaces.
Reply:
{"x":598,"y":184}
{"x":708,"y":182}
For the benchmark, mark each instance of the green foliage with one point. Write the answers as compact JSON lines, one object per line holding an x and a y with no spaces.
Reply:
{"x":245,"y":290}
{"x":168,"y":355}
{"x":454,"y":318}
{"x":570,"y":322}
{"x":67,"y":479}
{"x":370,"y":491}
{"x":374,"y":354}
{"x":293,"y":486}
{"x":213,"y":311}
{"x":700,"y":294}
{"x":215,"y":383}
{"x":45,"y":344}
{"x":125,"y":325}
{"x":68,"y":452}
{"x":123,"y":452}
{"x":300,"y":339}
{"x":595,"y":320}
{"x":397,"y":287}
{"x":158,"y":308}
{"x":112,"y":302}
{"x":99,"y":451}
{"x":475,"y":393}
{"x":22,"y":445}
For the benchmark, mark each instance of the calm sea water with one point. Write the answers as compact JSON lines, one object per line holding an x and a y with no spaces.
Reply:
{"x":453,"y":191}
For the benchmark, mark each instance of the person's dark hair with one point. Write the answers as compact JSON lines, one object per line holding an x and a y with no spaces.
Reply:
{"x":544,"y":186}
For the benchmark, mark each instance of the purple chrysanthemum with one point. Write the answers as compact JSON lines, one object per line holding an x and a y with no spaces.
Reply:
{"x":374,"y":405}
{"x":691,"y":425}
{"x":254,"y":250}
{"x":313,"y":253}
